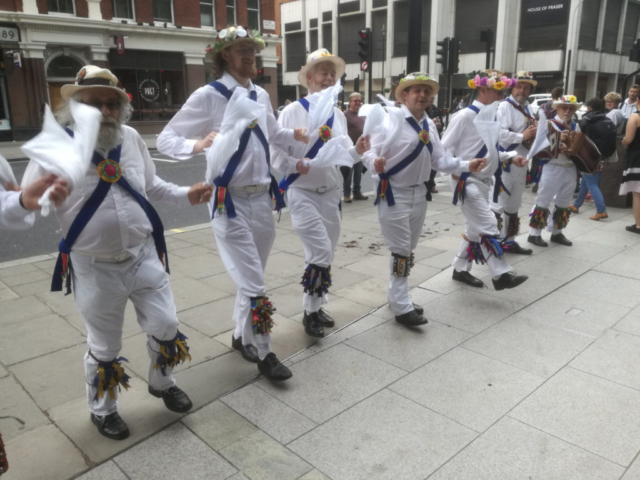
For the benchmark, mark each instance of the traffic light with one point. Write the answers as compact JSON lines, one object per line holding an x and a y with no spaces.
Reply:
{"x":454,"y":56}
{"x":365,"y":46}
{"x":634,"y":56}
{"x":442,"y":55}
{"x":261,"y":78}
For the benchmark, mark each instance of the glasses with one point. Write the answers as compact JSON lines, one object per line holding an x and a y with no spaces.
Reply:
{"x":246,"y":51}
{"x":112,"y":105}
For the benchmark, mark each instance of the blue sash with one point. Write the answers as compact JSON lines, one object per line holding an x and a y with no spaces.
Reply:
{"x":311,"y":154}
{"x":222,"y":196}
{"x":63,"y":265}
{"x":510,"y":148}
{"x":462,"y":183}
{"x":384,"y":187}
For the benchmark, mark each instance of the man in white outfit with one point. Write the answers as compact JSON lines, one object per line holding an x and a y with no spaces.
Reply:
{"x":558,"y":180}
{"x":401,"y":175}
{"x":517,"y":129}
{"x":114,"y":251}
{"x":313,"y":193}
{"x":473,"y":191}
{"x":242,"y":221}
{"x":17,"y":206}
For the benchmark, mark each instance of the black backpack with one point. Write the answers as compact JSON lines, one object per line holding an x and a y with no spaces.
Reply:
{"x":602,"y":131}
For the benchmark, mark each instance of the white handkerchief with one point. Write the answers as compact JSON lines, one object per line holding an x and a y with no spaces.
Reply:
{"x":332,"y":153}
{"x":6,"y":174}
{"x":542,"y":136}
{"x":393,"y":126}
{"x":374,"y":122}
{"x":489,"y":130}
{"x":321,"y":105}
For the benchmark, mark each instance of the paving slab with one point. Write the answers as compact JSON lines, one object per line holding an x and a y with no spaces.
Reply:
{"x":513,"y":450}
{"x":285,"y":264}
{"x":106,"y":471}
{"x":7,"y":294}
{"x":419,"y":296}
{"x":384,"y":437}
{"x":314,"y":475}
{"x":530,"y":345}
{"x":619,"y":290}
{"x":533,"y":289}
{"x":223,"y":282}
{"x":189,"y":293}
{"x":554,"y":267}
{"x":192,"y":251}
{"x":343,"y":311}
{"x":624,"y":264}
{"x":611,"y":239}
{"x":27,"y":277}
{"x":587,"y":411}
{"x":211,"y":318}
{"x":20,"y":309}
{"x":18,"y":413}
{"x":287,"y":299}
{"x":320,"y":393}
{"x":372,"y":292}
{"x":630,"y":323}
{"x":633,"y":472}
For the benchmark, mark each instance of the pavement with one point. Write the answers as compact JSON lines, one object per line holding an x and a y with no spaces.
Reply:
{"x":540,"y":382}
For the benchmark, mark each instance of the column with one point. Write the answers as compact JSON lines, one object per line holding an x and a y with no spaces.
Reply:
{"x":27,"y":87}
{"x":592,"y":85}
{"x":573,"y":37}
{"x":623,"y":15}
{"x":30,"y":7}
{"x":100,"y":56}
{"x":507,"y":35}
{"x":600,"y":34}
{"x":94,"y":9}
{"x":612,"y":82}
{"x":443,"y":17}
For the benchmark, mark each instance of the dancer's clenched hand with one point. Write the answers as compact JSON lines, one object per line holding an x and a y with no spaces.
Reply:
{"x":300,"y":134}
{"x":200,"y":193}
{"x":520,"y":161}
{"x":206,"y":142}
{"x":379,"y":164}
{"x":32,"y":193}
{"x":477,"y":164}
{"x":301,"y":168}
{"x":363,"y":144}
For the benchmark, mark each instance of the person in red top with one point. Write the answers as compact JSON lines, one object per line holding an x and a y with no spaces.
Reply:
{"x":355,"y":124}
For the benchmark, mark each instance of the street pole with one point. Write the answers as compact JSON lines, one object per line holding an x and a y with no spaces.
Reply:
{"x":370,"y":86}
{"x":414,"y":36}
{"x":384,"y":55}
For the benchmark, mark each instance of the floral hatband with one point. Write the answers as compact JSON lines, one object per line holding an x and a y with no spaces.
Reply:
{"x":491,"y":80}
{"x":228,"y":35}
{"x":420,"y":76}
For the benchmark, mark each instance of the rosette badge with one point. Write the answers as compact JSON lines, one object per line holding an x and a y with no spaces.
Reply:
{"x":109,"y":171}
{"x":325,"y":133}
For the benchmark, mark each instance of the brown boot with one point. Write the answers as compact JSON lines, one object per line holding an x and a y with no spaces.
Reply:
{"x":573,"y":209}
{"x":599,"y":216}
{"x":359,"y":196}
{"x":347,"y":199}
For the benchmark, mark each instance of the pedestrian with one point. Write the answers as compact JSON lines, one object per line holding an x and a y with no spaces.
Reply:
{"x":242,"y":217}
{"x":631,"y":175}
{"x":355,"y":124}
{"x":400,"y":175}
{"x":558,"y":180}
{"x":472,"y":190}
{"x":612,"y":100}
{"x":602,"y":132}
{"x":535,"y":172}
{"x":630,"y":105}
{"x":114,"y":251}
{"x":313,"y":193}
{"x":437,"y":116}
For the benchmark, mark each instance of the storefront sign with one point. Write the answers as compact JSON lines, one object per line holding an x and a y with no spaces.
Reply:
{"x":17,"y":60}
{"x":120,"y":45}
{"x":268,"y":24}
{"x":149,"y":90}
{"x":9,"y":34}
{"x":544,"y":12}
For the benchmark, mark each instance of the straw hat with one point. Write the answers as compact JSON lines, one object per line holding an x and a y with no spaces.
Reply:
{"x":319,"y":56}
{"x":91,"y":76}
{"x":415,"y":78}
{"x":526,"y":77}
{"x":569,"y":101}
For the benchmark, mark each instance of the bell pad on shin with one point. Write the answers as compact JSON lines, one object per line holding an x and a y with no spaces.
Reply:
{"x":401,"y":265}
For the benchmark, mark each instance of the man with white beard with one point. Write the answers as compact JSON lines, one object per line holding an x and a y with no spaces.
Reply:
{"x":114,"y":250}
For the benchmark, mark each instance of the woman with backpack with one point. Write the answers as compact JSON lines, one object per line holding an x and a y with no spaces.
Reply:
{"x":631,"y":175}
{"x":600,"y":130}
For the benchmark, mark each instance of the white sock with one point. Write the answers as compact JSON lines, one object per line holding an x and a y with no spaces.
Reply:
{"x":264,"y":349}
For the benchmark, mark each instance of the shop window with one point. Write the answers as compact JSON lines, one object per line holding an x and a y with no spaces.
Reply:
{"x":231,"y":12}
{"x":401,"y":29}
{"x":296,"y":56}
{"x":207,"y":18}
{"x":348,"y":41}
{"x":63,"y":66}
{"x":472,"y":16}
{"x":122,"y":8}
{"x":313,"y":40}
{"x":253,"y":14}
{"x":162,"y":11}
{"x":61,"y":6}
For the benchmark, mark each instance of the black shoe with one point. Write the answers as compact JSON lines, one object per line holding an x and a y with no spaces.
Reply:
{"x":312,"y":325}
{"x":561,"y":239}
{"x":466,"y":277}
{"x":411,"y":319}
{"x":537,"y":240}
{"x":418,"y":309}
{"x":509,"y":280}
{"x":516,"y":249}
{"x":249,"y":352}
{"x":271,"y":368}
{"x":534,"y":189}
{"x":174,"y":399}
{"x":633,"y":228}
{"x":111,"y":426}
{"x":325,"y":319}
{"x":359,"y":196}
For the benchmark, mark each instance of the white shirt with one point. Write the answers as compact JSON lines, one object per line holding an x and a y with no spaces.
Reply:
{"x":203,"y":114}
{"x":463,"y":140}
{"x":12,"y":215}
{"x":418,"y":171}
{"x":120,"y":223}
{"x":627,"y":108}
{"x":618,"y":119}
{"x":285,"y":159}
{"x":562,"y":159}
{"x":512,"y":124}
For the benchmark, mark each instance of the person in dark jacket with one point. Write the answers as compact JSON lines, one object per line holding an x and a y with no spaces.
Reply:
{"x":436,"y":115}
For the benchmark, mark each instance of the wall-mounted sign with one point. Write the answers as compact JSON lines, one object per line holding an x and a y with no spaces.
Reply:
{"x":268,"y":24}
{"x":149,"y":90}
{"x":120,"y":45}
{"x":17,"y":60}
{"x":9,"y":34}
{"x":537,"y":13}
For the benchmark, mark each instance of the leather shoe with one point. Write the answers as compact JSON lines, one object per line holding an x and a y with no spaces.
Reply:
{"x":271,"y":368}
{"x":411,"y":319}
{"x":466,"y":277}
{"x":359,"y":196}
{"x":418,"y":309}
{"x":111,"y":426}
{"x":574,"y":209}
{"x":312,"y":326}
{"x":347,"y":199}
{"x":632,"y":228}
{"x":517,"y":249}
{"x":249,"y":352}
{"x":561,"y":239}
{"x":537,"y":240}
{"x":174,"y":399}
{"x":325,"y":319}
{"x":599,"y":216}
{"x":509,"y":280}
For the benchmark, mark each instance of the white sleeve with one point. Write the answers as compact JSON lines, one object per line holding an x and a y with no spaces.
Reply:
{"x":507,"y":137}
{"x":281,"y":160}
{"x":12,"y":215}
{"x":441,"y":158}
{"x":156,"y":188}
{"x":451,"y":137}
{"x":369,"y":157}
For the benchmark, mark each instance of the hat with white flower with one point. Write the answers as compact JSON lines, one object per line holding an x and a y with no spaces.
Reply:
{"x":568,"y":101}
{"x":319,"y":56}
{"x":494,"y":79}
{"x":523,"y":76}
{"x":92,"y":76}
{"x":235,"y":34}
{"x":416,"y":78}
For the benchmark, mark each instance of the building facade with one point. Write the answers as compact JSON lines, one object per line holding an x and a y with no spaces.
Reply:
{"x":583,"y":44}
{"x":155,"y":47}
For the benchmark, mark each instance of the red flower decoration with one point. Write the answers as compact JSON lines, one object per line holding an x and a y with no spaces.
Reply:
{"x":110,"y":170}
{"x":325,"y":133}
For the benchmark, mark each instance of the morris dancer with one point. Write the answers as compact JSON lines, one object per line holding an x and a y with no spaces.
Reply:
{"x":401,"y":178}
{"x":558,"y":180}
{"x":114,"y":251}
{"x":313,"y":194}
{"x":518,"y":127}
{"x":480,"y":243}
{"x":243,"y":222}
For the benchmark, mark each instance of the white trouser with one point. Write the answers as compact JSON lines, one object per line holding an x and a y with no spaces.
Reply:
{"x":557,"y":184}
{"x":401,"y":228}
{"x":479,"y":220}
{"x":101,"y":292}
{"x":515,"y":181}
{"x":244,"y":243}
{"x":316,"y":219}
